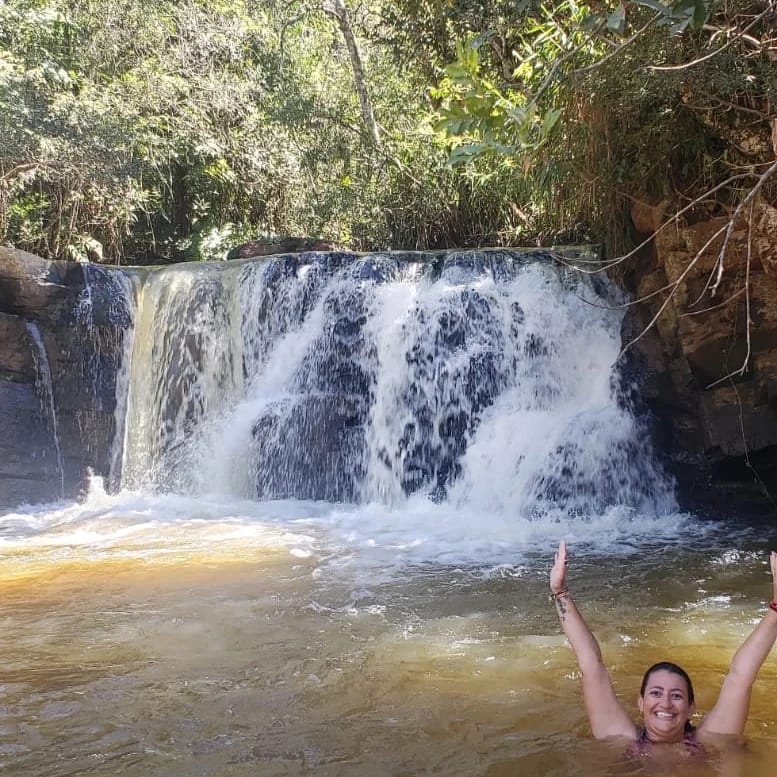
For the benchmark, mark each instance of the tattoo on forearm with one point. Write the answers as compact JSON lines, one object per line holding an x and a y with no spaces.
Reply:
{"x":562,"y":609}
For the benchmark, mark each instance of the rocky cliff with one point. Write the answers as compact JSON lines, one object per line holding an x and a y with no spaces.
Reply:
{"x":707,"y":353}
{"x":63,"y":328}
{"x":704,"y":345}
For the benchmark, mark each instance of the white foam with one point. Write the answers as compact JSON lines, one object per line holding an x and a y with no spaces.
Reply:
{"x":370,"y":542}
{"x":498,"y":392}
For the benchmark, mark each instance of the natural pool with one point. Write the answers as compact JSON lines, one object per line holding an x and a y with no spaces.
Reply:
{"x":225,"y":612}
{"x":171,"y":636}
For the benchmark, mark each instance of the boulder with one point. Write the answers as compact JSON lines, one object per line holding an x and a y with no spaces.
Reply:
{"x":60,"y":350}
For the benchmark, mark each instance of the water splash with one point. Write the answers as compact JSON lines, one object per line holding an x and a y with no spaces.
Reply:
{"x":480,"y":378}
{"x":106,"y":310}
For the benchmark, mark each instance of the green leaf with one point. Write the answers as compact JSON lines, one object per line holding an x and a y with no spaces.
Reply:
{"x":549,"y":122}
{"x":616,"y":21}
{"x":466,"y":153}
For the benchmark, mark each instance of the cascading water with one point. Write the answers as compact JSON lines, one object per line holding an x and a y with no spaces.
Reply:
{"x":45,"y":392}
{"x":484,"y":379}
{"x":106,"y":311}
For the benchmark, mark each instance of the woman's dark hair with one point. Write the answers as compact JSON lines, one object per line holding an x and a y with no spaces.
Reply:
{"x":668,"y":666}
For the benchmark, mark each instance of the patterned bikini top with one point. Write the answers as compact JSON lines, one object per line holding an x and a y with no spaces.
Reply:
{"x":642,"y":745}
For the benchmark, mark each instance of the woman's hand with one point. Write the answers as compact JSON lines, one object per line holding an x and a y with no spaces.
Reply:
{"x":558,"y":575}
{"x":773,"y":565}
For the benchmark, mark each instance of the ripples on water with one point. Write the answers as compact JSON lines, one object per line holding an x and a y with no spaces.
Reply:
{"x":171,"y":636}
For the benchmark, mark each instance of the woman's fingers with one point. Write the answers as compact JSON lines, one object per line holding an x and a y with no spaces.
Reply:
{"x":558,"y":573}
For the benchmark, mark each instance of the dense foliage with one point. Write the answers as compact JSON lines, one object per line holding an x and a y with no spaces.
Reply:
{"x":140,"y":132}
{"x":610,"y":105}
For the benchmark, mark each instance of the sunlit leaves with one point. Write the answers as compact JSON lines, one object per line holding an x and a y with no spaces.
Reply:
{"x":479,"y":116}
{"x":518,"y":116}
{"x":680,"y":14}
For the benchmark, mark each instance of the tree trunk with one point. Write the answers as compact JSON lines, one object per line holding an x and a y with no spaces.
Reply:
{"x":339,"y":11}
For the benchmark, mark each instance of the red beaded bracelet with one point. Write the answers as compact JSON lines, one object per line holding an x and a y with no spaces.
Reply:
{"x":773,"y":606}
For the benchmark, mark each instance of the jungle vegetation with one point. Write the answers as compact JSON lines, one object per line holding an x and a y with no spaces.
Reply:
{"x":139,"y":132}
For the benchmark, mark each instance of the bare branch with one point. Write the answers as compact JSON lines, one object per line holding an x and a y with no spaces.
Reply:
{"x":672,"y":287}
{"x":706,"y":287}
{"x":17,"y":170}
{"x":620,"y":47}
{"x":604,"y":266}
{"x":675,"y":285}
{"x":741,"y":34}
{"x":748,"y":265}
{"x":741,"y":371}
{"x":284,"y":29}
{"x":734,"y":106}
{"x":552,"y":72}
{"x":723,"y":304}
{"x":759,"y":184}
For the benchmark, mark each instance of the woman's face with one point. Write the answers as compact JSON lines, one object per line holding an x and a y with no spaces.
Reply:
{"x":665,"y":706}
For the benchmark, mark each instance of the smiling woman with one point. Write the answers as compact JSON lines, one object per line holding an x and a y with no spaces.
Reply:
{"x":666,"y":703}
{"x":666,"y":698}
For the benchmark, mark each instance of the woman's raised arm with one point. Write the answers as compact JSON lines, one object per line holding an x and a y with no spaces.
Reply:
{"x":729,"y":714}
{"x":606,"y":714}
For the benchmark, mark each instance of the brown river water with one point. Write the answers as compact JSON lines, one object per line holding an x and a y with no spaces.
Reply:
{"x":234,"y":646}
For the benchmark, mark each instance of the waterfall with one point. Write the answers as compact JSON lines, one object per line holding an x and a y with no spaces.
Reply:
{"x":45,"y":391}
{"x":106,"y":311}
{"x":482,"y":378}
{"x":187,"y":369}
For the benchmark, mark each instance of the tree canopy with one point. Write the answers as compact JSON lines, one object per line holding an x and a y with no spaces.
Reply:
{"x":133,"y":132}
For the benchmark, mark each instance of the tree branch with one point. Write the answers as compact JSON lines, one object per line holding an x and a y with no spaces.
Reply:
{"x":741,"y":371}
{"x":604,"y":267}
{"x":620,"y":46}
{"x":674,"y":286}
{"x":769,"y":9}
{"x":689,"y":313}
{"x":750,"y":197}
{"x":340,"y":12}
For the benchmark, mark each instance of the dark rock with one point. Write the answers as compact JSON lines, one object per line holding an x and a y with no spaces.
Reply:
{"x":312,"y":448}
{"x":29,"y":470}
{"x":736,"y":419}
{"x":16,"y":362}
{"x":78,"y":315}
{"x":717,"y":421}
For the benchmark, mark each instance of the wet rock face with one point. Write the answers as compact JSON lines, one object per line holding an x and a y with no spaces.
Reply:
{"x":63,"y":327}
{"x":313,"y":446}
{"x":28,"y":468}
{"x":709,"y":378}
{"x":59,"y":355}
{"x":310,"y":448}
